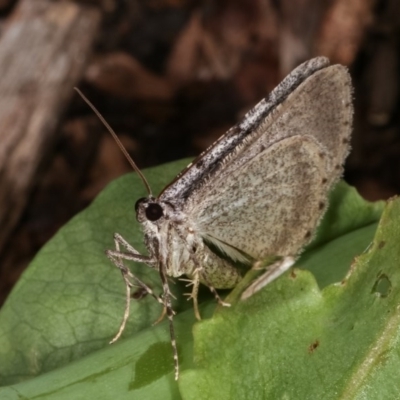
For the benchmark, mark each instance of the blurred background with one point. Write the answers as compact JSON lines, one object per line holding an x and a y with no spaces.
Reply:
{"x":170,"y":76}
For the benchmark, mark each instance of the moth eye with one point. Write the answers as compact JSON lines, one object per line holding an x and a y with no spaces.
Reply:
{"x":138,"y":202}
{"x":154,"y":212}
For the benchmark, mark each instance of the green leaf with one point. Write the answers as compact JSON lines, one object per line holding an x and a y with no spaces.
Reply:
{"x":70,"y":301}
{"x":293,"y":341}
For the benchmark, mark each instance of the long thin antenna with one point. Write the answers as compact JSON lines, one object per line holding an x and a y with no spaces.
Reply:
{"x":114,"y":135}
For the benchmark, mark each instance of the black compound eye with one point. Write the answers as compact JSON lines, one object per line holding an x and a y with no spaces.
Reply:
{"x":138,"y":202}
{"x":154,"y":212}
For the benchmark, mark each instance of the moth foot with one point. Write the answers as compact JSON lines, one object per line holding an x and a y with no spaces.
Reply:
{"x":189,"y":296}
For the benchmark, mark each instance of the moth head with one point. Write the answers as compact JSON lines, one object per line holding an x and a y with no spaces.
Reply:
{"x":148,"y":209}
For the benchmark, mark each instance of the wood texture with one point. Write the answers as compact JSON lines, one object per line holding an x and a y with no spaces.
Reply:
{"x":43,"y":51}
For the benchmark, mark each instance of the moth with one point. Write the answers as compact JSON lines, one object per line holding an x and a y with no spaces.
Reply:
{"x":259,"y":191}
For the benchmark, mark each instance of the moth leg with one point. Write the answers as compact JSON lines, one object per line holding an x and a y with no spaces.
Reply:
{"x":164,"y":311}
{"x":127,"y":275}
{"x":131,"y":255}
{"x":200,"y":276}
{"x":195,"y":292}
{"x":195,"y":283}
{"x":117,"y":258}
{"x":219,"y":273}
{"x":166,"y":299}
{"x":214,"y":292}
{"x":162,"y":316}
{"x":274,"y":271}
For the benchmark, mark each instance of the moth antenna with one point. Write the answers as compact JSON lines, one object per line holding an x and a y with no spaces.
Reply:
{"x":120,"y":145}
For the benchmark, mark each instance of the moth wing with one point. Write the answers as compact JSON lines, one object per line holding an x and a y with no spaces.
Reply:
{"x":269,"y":206}
{"x":314,"y":99}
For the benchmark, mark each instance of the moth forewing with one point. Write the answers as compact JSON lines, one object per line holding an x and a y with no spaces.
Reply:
{"x":305,"y":78}
{"x":258,"y":192}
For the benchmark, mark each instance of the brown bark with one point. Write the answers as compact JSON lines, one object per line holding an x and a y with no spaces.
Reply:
{"x":43,"y":51}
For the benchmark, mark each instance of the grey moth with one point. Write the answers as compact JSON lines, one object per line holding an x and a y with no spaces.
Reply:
{"x":259,"y":191}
